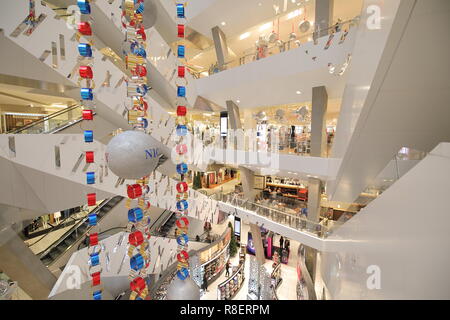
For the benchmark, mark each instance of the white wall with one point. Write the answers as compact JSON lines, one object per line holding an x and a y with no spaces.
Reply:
{"x":404,"y":232}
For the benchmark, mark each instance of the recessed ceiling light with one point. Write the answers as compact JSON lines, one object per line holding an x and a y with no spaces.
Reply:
{"x":266,"y":26}
{"x":223,"y":23}
{"x":298,"y":92}
{"x":260,"y":4}
{"x":238,"y":101}
{"x":244,"y":36}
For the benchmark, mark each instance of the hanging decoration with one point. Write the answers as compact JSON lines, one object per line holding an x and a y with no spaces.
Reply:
{"x":302,"y":114}
{"x":182,"y":195}
{"x":86,"y":82}
{"x":279,"y":115}
{"x":134,"y":49}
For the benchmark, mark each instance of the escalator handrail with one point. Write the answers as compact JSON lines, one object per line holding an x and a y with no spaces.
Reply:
{"x":71,"y":230}
{"x":46,"y":118}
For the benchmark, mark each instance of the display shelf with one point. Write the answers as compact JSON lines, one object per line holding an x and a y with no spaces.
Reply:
{"x":228,"y":289}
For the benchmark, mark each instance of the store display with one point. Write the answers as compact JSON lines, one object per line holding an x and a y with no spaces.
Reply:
{"x":228,"y":289}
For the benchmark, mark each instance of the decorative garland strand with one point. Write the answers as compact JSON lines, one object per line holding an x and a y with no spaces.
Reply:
{"x":138,"y":216}
{"x":86,"y":82}
{"x":182,"y":205}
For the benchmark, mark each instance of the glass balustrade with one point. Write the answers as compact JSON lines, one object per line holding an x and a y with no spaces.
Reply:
{"x":287,"y":219}
{"x":281,"y":45}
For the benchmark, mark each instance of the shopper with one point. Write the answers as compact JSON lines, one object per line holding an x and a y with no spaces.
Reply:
{"x":205,"y":283}
{"x":287,"y":245}
{"x":227,"y":268}
{"x":281,"y":242}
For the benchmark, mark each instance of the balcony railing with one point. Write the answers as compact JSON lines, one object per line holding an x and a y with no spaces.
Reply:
{"x":280,"y":46}
{"x":291,"y":220}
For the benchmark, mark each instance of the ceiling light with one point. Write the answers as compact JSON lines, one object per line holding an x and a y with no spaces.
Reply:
{"x":58,"y":105}
{"x":244,"y":36}
{"x":260,"y":4}
{"x":265,"y":26}
{"x":294,"y":14}
{"x":223,"y":23}
{"x":298,"y":92}
{"x":238,"y":101}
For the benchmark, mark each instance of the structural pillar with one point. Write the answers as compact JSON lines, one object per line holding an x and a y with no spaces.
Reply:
{"x":23,"y":266}
{"x":235,"y":124}
{"x":233,"y":115}
{"x":318,"y":122}
{"x":257,"y":242}
{"x":220,"y":44}
{"x":323,"y":16}
{"x":314,"y":197}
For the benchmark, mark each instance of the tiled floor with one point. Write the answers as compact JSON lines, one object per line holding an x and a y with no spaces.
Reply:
{"x":287,"y":289}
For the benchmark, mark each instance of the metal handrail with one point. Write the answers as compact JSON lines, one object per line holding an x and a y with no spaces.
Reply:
{"x":46,"y":118}
{"x":317,"y":229}
{"x":71,"y":230}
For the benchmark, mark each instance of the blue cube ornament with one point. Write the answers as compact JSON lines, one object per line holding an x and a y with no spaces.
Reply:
{"x":90,"y":177}
{"x":92,"y":219}
{"x":88,"y":136}
{"x":181,"y":130}
{"x":86,"y":94}
{"x":84,"y":6}
{"x":97,"y":295}
{"x":95,"y":259}
{"x":137,"y":262}
{"x":85,"y":50}
{"x":180,"y":10}
{"x":181,"y":91}
{"x":135,"y":215}
{"x":182,"y":168}
{"x":181,"y":51}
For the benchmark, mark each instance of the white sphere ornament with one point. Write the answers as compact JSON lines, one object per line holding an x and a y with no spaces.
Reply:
{"x":132,"y":155}
{"x":273,"y":36}
{"x":304,"y":26}
{"x":183,"y":290}
{"x":292,"y":36}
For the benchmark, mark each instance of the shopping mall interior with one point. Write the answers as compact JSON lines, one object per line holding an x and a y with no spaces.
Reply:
{"x":224,"y":149}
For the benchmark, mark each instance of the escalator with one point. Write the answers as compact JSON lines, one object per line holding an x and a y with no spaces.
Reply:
{"x":76,"y":234}
{"x":53,"y":122}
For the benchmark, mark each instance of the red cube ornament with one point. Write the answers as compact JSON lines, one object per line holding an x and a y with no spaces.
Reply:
{"x":86,"y":72}
{"x":141,"y":32}
{"x":88,"y":115}
{"x":91,"y":199}
{"x":181,"y":111}
{"x":137,"y":284}
{"x":139,"y":70}
{"x":181,"y":71}
{"x":85,"y":28}
{"x":93,"y":239}
{"x":95,"y":279}
{"x":134,"y":191}
{"x":181,"y":31}
{"x":136,"y":238}
{"x":89,"y":157}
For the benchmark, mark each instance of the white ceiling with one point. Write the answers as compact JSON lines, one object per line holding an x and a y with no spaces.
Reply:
{"x":236,"y":23}
{"x":22,"y":96}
